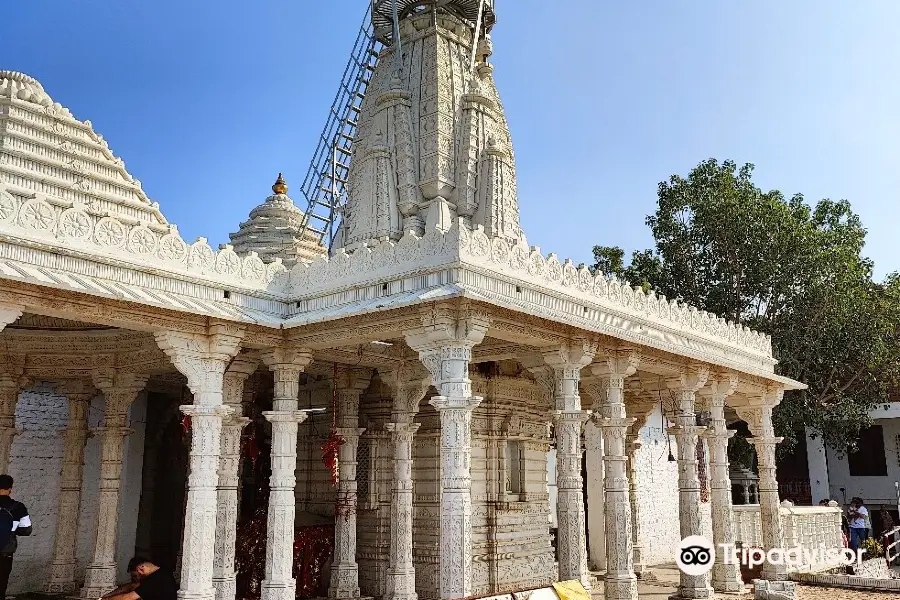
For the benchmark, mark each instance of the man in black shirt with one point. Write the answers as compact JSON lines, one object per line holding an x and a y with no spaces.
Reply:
{"x":15,"y":522}
{"x":154,"y":583}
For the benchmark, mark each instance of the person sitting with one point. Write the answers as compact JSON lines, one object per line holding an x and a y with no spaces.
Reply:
{"x":131,"y":585}
{"x":153,"y":583}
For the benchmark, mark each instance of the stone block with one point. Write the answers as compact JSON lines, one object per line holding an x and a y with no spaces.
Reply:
{"x":774,"y":590}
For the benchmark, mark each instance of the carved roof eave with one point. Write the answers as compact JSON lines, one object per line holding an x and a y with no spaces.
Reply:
{"x":237,"y":308}
{"x":613,"y":326}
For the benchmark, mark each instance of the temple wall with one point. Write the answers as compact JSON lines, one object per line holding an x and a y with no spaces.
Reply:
{"x":658,"y":494}
{"x":510,"y":525}
{"x":36,"y":466}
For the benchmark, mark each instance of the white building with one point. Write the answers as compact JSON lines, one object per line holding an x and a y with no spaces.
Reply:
{"x":872,"y":473}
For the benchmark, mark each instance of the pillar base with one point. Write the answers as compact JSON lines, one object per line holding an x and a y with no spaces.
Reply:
{"x":98,"y":580}
{"x":620,"y":589}
{"x":278,"y":590}
{"x":61,"y":588}
{"x":62,"y":578}
{"x":225,"y":587}
{"x":692,"y":594}
{"x":201,"y":595}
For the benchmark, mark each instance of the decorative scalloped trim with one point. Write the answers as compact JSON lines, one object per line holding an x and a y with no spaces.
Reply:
{"x":78,"y":228}
{"x":516,"y":263}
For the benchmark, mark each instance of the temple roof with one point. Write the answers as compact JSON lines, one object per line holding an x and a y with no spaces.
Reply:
{"x":274,"y":230}
{"x":44,"y":149}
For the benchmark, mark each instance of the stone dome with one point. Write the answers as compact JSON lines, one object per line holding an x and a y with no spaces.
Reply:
{"x":274,"y":231}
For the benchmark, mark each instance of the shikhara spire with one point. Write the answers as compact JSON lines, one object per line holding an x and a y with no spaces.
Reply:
{"x":433,"y":144}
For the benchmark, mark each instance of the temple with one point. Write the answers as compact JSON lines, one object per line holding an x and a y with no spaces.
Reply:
{"x":418,"y":411}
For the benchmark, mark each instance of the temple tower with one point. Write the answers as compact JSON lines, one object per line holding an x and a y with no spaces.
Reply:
{"x":432,"y":143}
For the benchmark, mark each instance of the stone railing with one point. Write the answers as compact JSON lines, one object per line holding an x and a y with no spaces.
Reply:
{"x":510,"y":263}
{"x":815,"y":529}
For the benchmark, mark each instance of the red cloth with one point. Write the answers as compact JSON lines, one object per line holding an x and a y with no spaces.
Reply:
{"x":313,"y":549}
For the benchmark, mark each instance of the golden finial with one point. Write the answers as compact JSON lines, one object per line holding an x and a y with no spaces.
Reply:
{"x":280,"y":186}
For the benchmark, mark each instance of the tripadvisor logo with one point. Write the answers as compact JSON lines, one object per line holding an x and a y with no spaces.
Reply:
{"x":695,"y":555}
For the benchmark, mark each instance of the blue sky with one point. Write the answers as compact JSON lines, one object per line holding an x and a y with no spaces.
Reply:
{"x":207,"y":101}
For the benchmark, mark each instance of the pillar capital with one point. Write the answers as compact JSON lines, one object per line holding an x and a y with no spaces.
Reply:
{"x":352,"y":378}
{"x":446,"y":326}
{"x":286,"y":358}
{"x":403,"y":431}
{"x":285,"y":416}
{"x":235,"y":376}
{"x":718,"y":388}
{"x":616,"y":364}
{"x":691,"y":379}
{"x":203,"y":358}
{"x":758,"y":414}
{"x":120,"y":389}
{"x":443,"y":403}
{"x":77,"y":389}
{"x":409,"y":387}
{"x":574,"y":354}
{"x":8,"y":315}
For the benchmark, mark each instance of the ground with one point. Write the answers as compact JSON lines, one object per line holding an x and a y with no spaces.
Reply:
{"x":668,"y":577}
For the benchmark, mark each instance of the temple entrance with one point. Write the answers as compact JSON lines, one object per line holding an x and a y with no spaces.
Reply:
{"x":163,"y":497}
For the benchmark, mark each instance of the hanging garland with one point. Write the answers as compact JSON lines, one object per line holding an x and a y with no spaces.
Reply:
{"x":330,"y":451}
{"x":345,"y":501}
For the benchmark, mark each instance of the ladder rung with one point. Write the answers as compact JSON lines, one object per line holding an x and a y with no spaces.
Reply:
{"x":343,"y":150}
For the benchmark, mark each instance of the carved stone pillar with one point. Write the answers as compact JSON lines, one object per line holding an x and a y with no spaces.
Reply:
{"x":11,"y":383}
{"x":759,"y":419}
{"x":445,"y":348}
{"x":566,"y":363}
{"x":408,"y":392}
{"x":229,"y":477}
{"x":10,"y":387}
{"x":632,"y":445}
{"x":350,"y":384}
{"x":686,"y":434}
{"x":609,"y":413}
{"x":596,"y":519}
{"x":120,"y":390}
{"x":62,"y":566}
{"x":286,"y":364}
{"x":725,"y":577}
{"x":202,"y":359}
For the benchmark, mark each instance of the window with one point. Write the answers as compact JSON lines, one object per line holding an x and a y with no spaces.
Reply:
{"x":869,"y":459}
{"x":364,"y":472}
{"x":514,"y":467}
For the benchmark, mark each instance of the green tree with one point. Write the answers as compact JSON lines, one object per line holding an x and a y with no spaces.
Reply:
{"x":785,"y":268}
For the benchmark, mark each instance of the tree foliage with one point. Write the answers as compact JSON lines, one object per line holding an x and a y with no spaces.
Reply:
{"x":783,"y":267}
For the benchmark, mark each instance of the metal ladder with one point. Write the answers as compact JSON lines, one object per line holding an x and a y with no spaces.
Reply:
{"x":325,"y":184}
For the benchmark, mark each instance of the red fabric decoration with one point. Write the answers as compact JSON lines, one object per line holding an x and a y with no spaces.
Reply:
{"x":186,"y":424}
{"x":313,"y":550}
{"x":330,"y":450}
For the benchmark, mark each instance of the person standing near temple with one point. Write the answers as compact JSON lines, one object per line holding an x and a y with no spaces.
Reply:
{"x":14,"y":522}
{"x":859,"y":517}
